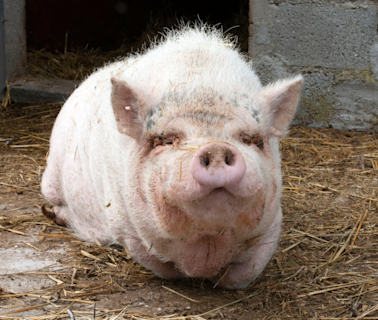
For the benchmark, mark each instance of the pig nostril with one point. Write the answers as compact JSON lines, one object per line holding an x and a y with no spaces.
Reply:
{"x":205,"y":159}
{"x":229,"y":159}
{"x":226,"y":155}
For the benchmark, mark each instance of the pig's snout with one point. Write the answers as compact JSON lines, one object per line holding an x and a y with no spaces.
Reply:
{"x":218,"y":165}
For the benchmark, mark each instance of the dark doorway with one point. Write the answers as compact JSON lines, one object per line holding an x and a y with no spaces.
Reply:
{"x":107,"y":24}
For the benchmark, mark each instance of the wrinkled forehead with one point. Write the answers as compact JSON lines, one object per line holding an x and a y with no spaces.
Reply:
{"x":204,"y":113}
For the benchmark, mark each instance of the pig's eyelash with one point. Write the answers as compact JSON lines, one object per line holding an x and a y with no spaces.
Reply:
{"x":249,"y":140}
{"x":246,"y":139}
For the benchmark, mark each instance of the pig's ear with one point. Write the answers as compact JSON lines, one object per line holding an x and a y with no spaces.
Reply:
{"x":125,"y":108}
{"x":279,"y":101}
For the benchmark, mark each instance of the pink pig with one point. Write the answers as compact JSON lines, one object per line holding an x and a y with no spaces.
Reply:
{"x":174,"y":153}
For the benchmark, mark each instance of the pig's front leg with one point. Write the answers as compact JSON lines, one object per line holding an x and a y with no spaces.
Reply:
{"x":140,"y":254}
{"x":240,"y":275}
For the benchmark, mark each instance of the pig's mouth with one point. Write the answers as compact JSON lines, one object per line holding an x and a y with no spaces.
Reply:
{"x":219,"y":190}
{"x":218,"y":206}
{"x":218,"y":195}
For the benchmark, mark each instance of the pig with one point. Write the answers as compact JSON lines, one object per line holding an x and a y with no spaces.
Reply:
{"x":173,"y":153}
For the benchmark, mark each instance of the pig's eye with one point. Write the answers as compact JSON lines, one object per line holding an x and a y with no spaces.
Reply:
{"x":259,"y":143}
{"x":163,"y":141}
{"x":157,"y":141}
{"x":245,"y":138}
{"x":249,"y":140}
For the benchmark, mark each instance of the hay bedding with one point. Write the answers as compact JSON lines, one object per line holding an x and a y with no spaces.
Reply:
{"x":325,"y":266}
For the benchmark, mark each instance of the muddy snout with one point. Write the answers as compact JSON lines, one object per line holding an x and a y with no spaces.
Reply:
{"x":218,"y":165}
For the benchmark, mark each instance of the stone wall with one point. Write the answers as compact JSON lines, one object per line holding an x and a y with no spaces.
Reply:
{"x":334,"y":44}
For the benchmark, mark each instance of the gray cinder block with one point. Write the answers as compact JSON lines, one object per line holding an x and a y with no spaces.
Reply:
{"x":356,"y":106}
{"x":334,"y":44}
{"x":324,"y":35}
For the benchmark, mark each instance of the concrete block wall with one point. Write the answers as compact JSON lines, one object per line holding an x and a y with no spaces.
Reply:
{"x":2,"y":49}
{"x":15,"y":38}
{"x":334,"y":44}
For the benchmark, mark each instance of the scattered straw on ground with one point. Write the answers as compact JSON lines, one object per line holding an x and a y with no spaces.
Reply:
{"x":325,"y":266}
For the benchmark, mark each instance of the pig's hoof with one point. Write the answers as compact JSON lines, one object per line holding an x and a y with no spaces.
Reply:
{"x":50,"y":214}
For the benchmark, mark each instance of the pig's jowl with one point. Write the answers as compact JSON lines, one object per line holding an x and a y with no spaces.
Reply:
{"x":174,"y":153}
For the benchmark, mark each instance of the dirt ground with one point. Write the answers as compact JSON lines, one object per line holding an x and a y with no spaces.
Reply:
{"x":325,"y":266}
